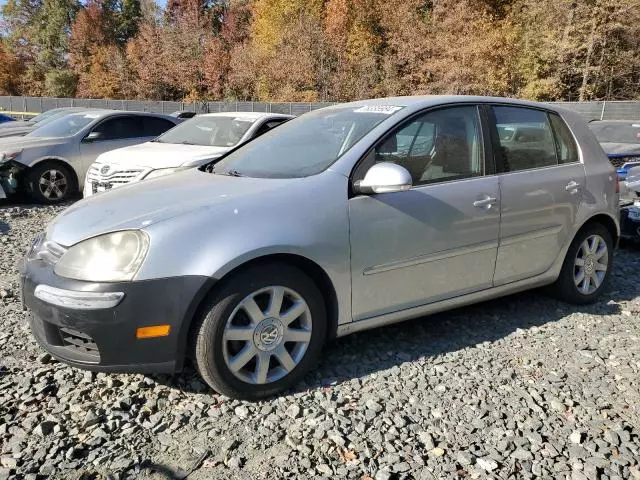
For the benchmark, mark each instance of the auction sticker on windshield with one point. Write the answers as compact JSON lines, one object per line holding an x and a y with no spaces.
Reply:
{"x":386,"y":109}
{"x":91,"y":115}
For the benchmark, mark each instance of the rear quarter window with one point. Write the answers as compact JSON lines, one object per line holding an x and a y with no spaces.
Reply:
{"x":566,"y":147}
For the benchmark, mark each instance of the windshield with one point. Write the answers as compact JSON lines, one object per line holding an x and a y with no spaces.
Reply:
{"x":47,"y":114}
{"x":306,"y":145}
{"x":616,"y":132}
{"x":64,"y":126}
{"x":215,"y":131}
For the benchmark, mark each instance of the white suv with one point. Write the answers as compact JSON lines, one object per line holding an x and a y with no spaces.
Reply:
{"x":191,"y":144}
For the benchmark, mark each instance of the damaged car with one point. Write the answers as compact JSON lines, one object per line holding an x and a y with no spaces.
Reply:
{"x":49,"y":163}
{"x":620,"y":139}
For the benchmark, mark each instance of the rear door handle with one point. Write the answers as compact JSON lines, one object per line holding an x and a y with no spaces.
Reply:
{"x":572,"y":187}
{"x":487,"y":201}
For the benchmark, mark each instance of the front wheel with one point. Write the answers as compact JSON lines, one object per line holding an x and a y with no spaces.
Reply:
{"x":587,"y":266}
{"x":261,"y":333}
{"x":51,"y":183}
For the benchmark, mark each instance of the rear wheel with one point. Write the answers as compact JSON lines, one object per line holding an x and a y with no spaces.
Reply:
{"x":51,"y":182}
{"x":587,"y":266}
{"x":261,"y":332}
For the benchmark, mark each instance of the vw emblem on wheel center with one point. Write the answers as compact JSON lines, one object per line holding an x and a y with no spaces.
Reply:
{"x":268,"y":334}
{"x":105,"y":169}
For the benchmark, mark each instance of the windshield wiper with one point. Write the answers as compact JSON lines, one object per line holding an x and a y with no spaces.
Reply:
{"x":234,"y":173}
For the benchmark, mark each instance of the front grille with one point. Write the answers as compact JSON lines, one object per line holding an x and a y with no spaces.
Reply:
{"x":114,"y":177}
{"x":80,"y":342}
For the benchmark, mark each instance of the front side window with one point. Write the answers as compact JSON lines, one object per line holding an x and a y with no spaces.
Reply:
{"x":436,"y":147}
{"x":306,"y":145}
{"x":119,"y":128}
{"x":526,"y":138}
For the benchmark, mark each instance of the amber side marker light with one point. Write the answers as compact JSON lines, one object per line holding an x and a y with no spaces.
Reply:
{"x":153,"y":331}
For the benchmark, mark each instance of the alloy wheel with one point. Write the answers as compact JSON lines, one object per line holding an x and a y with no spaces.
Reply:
{"x":53,"y":184}
{"x":267,"y":335}
{"x":591,"y":264}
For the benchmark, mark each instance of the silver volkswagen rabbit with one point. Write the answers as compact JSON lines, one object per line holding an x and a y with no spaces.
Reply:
{"x":346,"y":218}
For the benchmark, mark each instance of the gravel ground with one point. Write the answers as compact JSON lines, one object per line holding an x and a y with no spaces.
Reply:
{"x":519,"y":388}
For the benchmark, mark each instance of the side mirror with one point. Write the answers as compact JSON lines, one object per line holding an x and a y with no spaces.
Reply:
{"x":93,"y":137}
{"x":384,"y":177}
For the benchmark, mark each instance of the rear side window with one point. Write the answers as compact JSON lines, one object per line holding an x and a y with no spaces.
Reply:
{"x":565,"y":144}
{"x":526,"y":138}
{"x":154,"y":126}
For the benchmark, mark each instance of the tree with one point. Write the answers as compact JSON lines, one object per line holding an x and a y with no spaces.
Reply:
{"x":10,"y":71}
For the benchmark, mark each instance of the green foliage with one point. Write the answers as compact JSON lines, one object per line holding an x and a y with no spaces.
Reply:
{"x":61,"y":83}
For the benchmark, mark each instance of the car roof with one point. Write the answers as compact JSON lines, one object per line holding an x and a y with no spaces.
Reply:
{"x":106,"y":112}
{"x":417,"y":102}
{"x":252,"y":115}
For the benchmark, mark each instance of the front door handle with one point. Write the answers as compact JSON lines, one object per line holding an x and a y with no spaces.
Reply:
{"x":572,"y":187}
{"x":487,"y":201}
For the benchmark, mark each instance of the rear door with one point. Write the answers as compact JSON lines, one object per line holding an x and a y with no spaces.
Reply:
{"x":541,"y":186}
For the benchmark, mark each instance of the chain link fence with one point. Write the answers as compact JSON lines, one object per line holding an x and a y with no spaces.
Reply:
{"x":25,"y":106}
{"x":34,"y":105}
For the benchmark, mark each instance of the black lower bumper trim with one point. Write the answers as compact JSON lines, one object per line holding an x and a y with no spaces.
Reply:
{"x":105,"y":340}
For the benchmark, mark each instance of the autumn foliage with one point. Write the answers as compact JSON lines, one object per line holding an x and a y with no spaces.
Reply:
{"x":321,"y":50}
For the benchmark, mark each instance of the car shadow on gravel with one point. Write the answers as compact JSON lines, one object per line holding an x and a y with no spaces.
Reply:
{"x":368,"y":352}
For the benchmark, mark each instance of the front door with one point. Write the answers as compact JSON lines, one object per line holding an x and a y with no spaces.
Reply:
{"x":542,"y":183}
{"x":115,"y":132}
{"x":437,"y":240}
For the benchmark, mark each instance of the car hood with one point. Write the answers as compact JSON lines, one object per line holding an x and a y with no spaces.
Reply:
{"x":15,"y":143}
{"x":162,"y":155}
{"x":621,"y":149}
{"x":153,"y":201}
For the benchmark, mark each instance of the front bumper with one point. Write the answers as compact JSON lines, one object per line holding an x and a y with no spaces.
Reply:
{"x":74,"y":321}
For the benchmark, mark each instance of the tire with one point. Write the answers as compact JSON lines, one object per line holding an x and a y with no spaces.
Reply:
{"x":61,"y":183}
{"x":567,"y":287}
{"x":225,"y":314}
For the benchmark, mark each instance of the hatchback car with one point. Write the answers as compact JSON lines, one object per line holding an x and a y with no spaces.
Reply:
{"x":51,"y":162}
{"x":192,"y":143}
{"x":346,"y":218}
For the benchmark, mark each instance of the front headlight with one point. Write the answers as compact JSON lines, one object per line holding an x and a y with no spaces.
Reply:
{"x":161,"y":172}
{"x":6,"y":156}
{"x":113,"y":257}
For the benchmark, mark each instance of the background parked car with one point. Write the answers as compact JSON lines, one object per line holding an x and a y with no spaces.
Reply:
{"x":6,"y":118}
{"x":184,"y":114}
{"x":49,"y":161}
{"x":620,"y":139}
{"x":191,"y":144}
{"x":21,"y":128}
